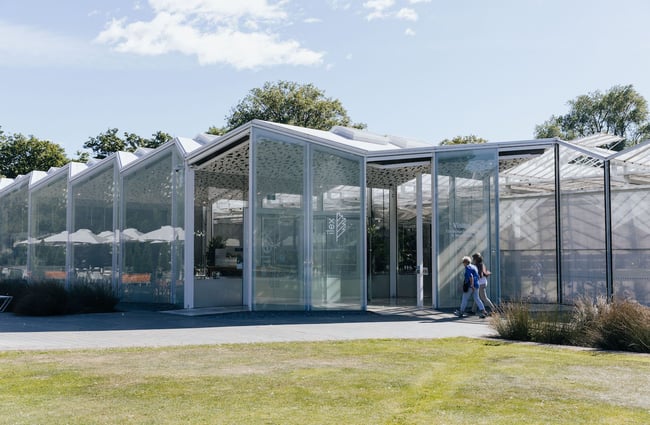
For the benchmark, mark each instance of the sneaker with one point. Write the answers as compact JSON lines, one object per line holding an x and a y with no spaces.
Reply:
{"x":458,"y":313}
{"x":482,"y":314}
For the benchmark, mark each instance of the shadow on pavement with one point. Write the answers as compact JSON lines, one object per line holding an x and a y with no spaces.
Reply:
{"x":132,"y":320}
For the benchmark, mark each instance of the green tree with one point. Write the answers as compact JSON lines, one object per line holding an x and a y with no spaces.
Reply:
{"x":217,"y":131}
{"x":21,"y":154}
{"x":157,"y":139}
{"x":464,"y":140}
{"x":106,"y":143}
{"x":288,"y":102}
{"x":620,"y":111}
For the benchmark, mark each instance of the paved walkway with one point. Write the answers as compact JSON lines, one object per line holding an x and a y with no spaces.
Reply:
{"x":154,"y":329}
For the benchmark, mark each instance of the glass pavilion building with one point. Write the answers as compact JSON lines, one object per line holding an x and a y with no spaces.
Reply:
{"x":278,"y":217}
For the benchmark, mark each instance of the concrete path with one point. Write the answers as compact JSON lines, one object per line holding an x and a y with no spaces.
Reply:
{"x":155,"y":329}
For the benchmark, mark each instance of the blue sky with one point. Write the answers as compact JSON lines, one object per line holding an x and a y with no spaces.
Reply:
{"x":424,"y":69}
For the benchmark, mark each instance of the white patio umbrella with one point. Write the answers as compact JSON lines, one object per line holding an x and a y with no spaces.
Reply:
{"x":106,"y":236}
{"x":27,"y":241}
{"x":165,"y":234}
{"x":131,"y":234}
{"x":85,"y":236}
{"x":57,"y":238}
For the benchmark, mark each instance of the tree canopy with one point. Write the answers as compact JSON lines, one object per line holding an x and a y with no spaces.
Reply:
{"x":21,"y":154}
{"x":463,"y":140}
{"x":620,"y":111}
{"x":288,"y":102}
{"x":108,"y":142}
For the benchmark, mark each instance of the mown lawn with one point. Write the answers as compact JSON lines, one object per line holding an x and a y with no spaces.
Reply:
{"x":447,"y":381}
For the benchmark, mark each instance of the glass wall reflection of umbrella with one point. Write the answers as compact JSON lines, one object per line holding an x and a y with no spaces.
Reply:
{"x":85,"y":236}
{"x":165,"y":234}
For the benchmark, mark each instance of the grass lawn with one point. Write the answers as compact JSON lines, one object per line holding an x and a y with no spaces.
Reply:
{"x":447,"y":381}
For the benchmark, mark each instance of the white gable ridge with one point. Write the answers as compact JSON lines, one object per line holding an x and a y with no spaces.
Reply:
{"x":77,"y":167}
{"x":36,"y":176}
{"x":187,"y":145}
{"x":360,"y":135}
{"x":4,"y":182}
{"x":384,"y":140}
{"x":345,"y":138}
{"x":205,"y":138}
{"x":125,"y":158}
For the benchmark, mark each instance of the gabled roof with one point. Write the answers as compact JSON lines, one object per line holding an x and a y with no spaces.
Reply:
{"x":68,"y":171}
{"x":5,"y":182}
{"x":352,"y":140}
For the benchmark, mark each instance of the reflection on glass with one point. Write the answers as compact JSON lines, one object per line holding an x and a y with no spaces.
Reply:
{"x":336,"y":271}
{"x":13,"y":231}
{"x":527,"y":228}
{"x":465,"y":191}
{"x":379,"y":244}
{"x":48,"y":224}
{"x":583,"y":226}
{"x":631,"y":230}
{"x":278,"y":257}
{"x":92,"y":239}
{"x":148,"y":238}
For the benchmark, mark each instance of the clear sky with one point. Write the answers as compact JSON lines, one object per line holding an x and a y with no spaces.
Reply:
{"x":424,"y":69}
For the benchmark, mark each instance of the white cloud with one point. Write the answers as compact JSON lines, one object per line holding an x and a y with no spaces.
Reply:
{"x":312,"y":20}
{"x":409,"y":32}
{"x":236,"y":33}
{"x":339,"y":4}
{"x":383,"y":9}
{"x":407,"y":14}
{"x":419,"y":1}
{"x":378,"y":8}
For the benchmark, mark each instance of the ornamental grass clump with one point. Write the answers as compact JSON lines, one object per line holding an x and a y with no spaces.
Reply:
{"x":623,"y":325}
{"x":513,"y":321}
{"x":618,"y":325}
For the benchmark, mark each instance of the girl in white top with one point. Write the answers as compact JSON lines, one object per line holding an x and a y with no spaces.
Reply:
{"x":483,"y":274}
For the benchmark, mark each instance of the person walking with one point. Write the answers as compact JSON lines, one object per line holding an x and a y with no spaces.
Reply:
{"x":470,"y":288}
{"x":483,"y":274}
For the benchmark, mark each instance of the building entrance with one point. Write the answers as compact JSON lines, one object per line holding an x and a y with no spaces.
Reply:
{"x":399,"y":234}
{"x":221,"y":205}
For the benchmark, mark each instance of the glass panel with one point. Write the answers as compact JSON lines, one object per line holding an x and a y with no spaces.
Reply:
{"x":527,"y":226}
{"x":583,"y":226}
{"x":177,"y":281}
{"x":630,"y":230}
{"x":407,"y":240}
{"x":147,"y":234}
{"x":48,"y":219}
{"x":465,"y":192}
{"x":379,"y":245}
{"x":221,"y":200}
{"x":278,"y":260}
{"x":91,"y":248}
{"x":406,"y":243}
{"x":13,"y":232}
{"x":337,"y":272}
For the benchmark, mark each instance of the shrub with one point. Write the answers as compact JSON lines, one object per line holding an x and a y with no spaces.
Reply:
{"x":513,"y":321}
{"x":624,"y":325}
{"x":619,"y":325}
{"x":48,"y":298}
{"x":87,"y":297}
{"x":45,"y":298}
{"x":14,"y":287}
{"x":552,"y":327}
